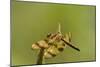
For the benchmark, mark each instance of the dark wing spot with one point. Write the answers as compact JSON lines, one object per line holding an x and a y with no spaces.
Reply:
{"x":50,"y":43}
{"x":38,"y":44}
{"x":53,"y":55}
{"x":46,"y":41}
{"x":60,"y":49}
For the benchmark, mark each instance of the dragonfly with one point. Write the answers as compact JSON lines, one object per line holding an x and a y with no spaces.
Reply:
{"x":53,"y":44}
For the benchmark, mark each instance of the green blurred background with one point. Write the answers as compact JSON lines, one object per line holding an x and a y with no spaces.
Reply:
{"x":31,"y":21}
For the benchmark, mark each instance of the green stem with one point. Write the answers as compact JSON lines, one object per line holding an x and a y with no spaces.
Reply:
{"x":40,"y":56}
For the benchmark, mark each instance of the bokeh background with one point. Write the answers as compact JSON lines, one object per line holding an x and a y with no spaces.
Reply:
{"x":32,"y":21}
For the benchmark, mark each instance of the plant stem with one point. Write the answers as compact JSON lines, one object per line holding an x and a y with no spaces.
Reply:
{"x":40,"y":56}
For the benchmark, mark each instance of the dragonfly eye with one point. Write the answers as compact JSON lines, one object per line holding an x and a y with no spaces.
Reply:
{"x":50,"y":43}
{"x":48,"y":35}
